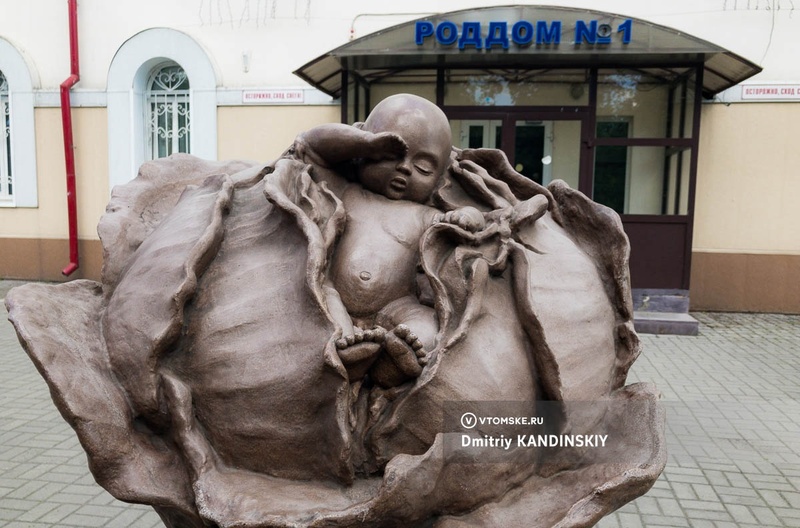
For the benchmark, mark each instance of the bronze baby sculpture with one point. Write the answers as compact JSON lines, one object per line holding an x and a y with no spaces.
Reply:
{"x":397,"y":159}
{"x":278,"y":345}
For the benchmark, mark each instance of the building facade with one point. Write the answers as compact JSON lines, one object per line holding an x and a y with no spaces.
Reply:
{"x":681,"y":116}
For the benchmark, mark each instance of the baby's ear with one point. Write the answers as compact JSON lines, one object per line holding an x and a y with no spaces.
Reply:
{"x":359,"y":125}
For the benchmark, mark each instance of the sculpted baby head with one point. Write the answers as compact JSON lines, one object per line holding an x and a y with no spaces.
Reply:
{"x":426,"y":131}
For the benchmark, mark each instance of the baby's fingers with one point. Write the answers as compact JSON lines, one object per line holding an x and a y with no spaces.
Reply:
{"x":389,"y":146}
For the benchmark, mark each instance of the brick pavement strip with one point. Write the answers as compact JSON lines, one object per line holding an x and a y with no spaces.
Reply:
{"x":732,"y":396}
{"x":748,"y":423}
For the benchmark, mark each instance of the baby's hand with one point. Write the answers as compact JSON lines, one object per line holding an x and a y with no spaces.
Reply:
{"x":386,"y":145}
{"x":467,"y":218}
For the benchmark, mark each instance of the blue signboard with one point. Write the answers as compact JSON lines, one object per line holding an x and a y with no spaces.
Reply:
{"x":522,"y":33}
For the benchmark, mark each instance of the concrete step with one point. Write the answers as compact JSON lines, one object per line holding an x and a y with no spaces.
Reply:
{"x":674,"y":301}
{"x":665,"y":323}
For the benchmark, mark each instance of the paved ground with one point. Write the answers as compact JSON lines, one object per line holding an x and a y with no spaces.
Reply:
{"x":733,"y":403}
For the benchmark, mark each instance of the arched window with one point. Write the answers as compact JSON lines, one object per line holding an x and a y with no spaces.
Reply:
{"x":18,"y":185}
{"x":130,"y":77}
{"x":6,"y":185}
{"x":168,"y":105}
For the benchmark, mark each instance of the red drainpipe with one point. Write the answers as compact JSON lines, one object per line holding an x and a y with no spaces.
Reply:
{"x":69,"y":147}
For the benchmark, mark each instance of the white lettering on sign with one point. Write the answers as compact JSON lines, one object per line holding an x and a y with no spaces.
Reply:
{"x":771,"y":92}
{"x":272,"y":96}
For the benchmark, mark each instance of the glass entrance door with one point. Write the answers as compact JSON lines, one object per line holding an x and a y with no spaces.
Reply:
{"x":548,"y":149}
{"x":533,"y":149}
{"x":477,"y":133}
{"x":540,"y":147}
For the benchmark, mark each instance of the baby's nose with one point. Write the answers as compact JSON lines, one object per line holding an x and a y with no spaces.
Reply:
{"x":404,"y":166}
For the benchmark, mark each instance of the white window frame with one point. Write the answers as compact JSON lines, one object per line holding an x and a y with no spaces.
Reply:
{"x":6,"y":170}
{"x":128,"y":74}
{"x":175,"y":105}
{"x":23,"y":138}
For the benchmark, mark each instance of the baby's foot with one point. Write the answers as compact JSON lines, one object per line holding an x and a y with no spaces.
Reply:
{"x":405,"y":356}
{"x":359,"y":351}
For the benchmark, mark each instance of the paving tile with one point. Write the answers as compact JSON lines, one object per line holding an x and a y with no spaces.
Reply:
{"x":792,"y":498}
{"x":37,"y":512}
{"x":765,"y":515}
{"x":705,"y":492}
{"x":741,"y":513}
{"x":790,"y":515}
{"x":610,"y":521}
{"x":683,"y":491}
{"x":669,"y":507}
{"x":630,"y":520}
{"x":774,"y":499}
{"x":702,"y":523}
{"x":651,"y":521}
{"x":129,"y":517}
{"x":55,"y":516}
{"x":648,"y":506}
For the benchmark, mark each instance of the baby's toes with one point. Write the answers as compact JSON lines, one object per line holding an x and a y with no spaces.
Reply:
{"x":375,"y":335}
{"x":402,"y":331}
{"x":415,"y":343}
{"x":379,"y":334}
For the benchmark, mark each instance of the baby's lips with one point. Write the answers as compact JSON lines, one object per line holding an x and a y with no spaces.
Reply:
{"x":398,"y":184}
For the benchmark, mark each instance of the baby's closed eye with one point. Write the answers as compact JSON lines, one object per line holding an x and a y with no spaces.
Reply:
{"x":425,"y":165}
{"x":424,"y":168}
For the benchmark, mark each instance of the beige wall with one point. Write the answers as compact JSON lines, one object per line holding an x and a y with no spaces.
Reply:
{"x":262,"y":133}
{"x":746,"y":254}
{"x":748,"y":179}
{"x":49,"y":220}
{"x":33,"y":241}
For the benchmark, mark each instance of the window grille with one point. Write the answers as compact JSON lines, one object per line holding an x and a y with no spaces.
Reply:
{"x":169,"y":120}
{"x":6,"y":185}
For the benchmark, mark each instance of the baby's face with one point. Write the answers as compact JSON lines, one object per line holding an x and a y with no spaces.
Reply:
{"x":416,"y":175}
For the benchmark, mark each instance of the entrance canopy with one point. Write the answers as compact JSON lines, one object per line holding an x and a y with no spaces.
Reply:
{"x":524,"y":38}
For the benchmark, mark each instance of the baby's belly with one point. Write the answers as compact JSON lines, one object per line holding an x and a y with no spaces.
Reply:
{"x":368,"y":279}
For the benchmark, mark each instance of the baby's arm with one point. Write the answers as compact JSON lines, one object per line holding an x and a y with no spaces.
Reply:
{"x":331,"y":144}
